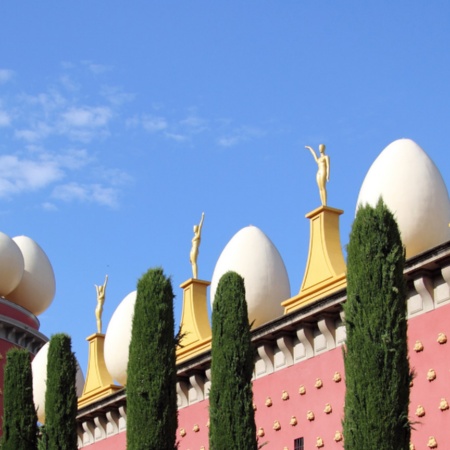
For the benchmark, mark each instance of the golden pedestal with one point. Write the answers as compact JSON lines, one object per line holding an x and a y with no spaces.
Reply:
{"x":325,"y":270}
{"x":99,"y":382}
{"x":195,"y":328}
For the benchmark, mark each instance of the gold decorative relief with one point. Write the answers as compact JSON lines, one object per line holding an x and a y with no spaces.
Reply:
{"x":276,"y":425}
{"x":319,"y":442}
{"x":418,"y":346}
{"x":432,"y":443}
{"x":338,"y":436}
{"x":260,"y":432}
{"x":310,"y":415}
{"x":196,"y":428}
{"x":254,"y":407}
{"x":285,"y":395}
{"x":412,"y":446}
{"x":318,"y":384}
{"x":293,"y":421}
{"x":420,"y":411}
{"x":327,"y":409}
{"x":302,"y":390}
{"x":182,"y":432}
{"x":337,"y":377}
{"x":442,"y":338}
{"x":443,"y":404}
{"x":208,"y":424}
{"x":268,"y":401}
{"x":431,"y":375}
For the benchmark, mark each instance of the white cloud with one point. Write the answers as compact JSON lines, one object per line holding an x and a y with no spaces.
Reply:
{"x":48,"y":206}
{"x":153,"y":124}
{"x":5,"y":119}
{"x":194,"y":122}
{"x":239,"y":135}
{"x":87,"y":116}
{"x":72,"y":159}
{"x":176,"y":137}
{"x":38,"y":131}
{"x":21,"y":175}
{"x":5,"y":75}
{"x":89,"y":193}
{"x":115,"y":95}
{"x":96,"y":68}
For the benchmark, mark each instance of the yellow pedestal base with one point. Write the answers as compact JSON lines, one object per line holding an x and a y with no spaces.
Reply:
{"x":195,"y":328}
{"x":98,"y":382}
{"x":325,"y":269}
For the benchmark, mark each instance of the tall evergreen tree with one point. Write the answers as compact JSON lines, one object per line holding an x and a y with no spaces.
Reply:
{"x":376,"y":356}
{"x":19,"y":415}
{"x":60,"y":395}
{"x":152,"y":416}
{"x":232,"y":419}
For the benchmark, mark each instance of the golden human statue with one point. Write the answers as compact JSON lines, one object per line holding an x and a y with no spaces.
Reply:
{"x":101,"y":290}
{"x":195,"y":246}
{"x":323,"y":171}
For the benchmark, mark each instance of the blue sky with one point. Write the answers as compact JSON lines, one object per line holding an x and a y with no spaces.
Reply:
{"x":120,"y":122}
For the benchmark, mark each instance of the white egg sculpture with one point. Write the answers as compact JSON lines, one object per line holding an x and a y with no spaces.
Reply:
{"x":36,"y":289}
{"x":118,"y":337}
{"x":11,"y":265}
{"x":252,"y":255}
{"x":39,"y":370}
{"x":413,"y":189}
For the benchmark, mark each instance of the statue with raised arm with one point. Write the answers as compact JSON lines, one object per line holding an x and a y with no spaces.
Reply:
{"x":101,"y":290}
{"x":323,"y":171}
{"x":195,"y":246}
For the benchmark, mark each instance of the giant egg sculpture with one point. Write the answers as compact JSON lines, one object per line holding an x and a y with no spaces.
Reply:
{"x":39,"y":370}
{"x":252,"y":255}
{"x":11,"y":265}
{"x":118,"y":337}
{"x":36,"y":289}
{"x":413,"y":189}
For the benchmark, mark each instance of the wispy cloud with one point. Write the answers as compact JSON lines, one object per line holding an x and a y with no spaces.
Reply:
{"x":5,"y":119}
{"x":153,"y":124}
{"x":52,"y":131}
{"x":5,"y":75}
{"x":22,"y":175}
{"x":91,"y":193}
{"x":96,"y":68}
{"x":239,"y":135}
{"x":87,"y":116}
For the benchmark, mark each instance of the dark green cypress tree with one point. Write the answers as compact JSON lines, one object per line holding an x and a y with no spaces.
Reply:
{"x":19,"y":415}
{"x":232,"y":419}
{"x":152,"y":416}
{"x":60,"y":395}
{"x":376,"y":356}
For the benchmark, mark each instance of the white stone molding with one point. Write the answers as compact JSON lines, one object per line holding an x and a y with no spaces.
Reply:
{"x":264,"y":361}
{"x":326,"y":340}
{"x":305,"y":348}
{"x":284,"y":354}
{"x":100,"y":423}
{"x":112,"y":426}
{"x":196,"y":389}
{"x":182,"y":393}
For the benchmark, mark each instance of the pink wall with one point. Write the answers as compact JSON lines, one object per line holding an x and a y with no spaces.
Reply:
{"x":427,"y":393}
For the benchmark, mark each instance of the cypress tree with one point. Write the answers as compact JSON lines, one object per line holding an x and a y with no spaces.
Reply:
{"x":376,"y":356}
{"x":232,"y":420}
{"x":60,"y":395}
{"x":152,"y":418}
{"x":19,"y":419}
